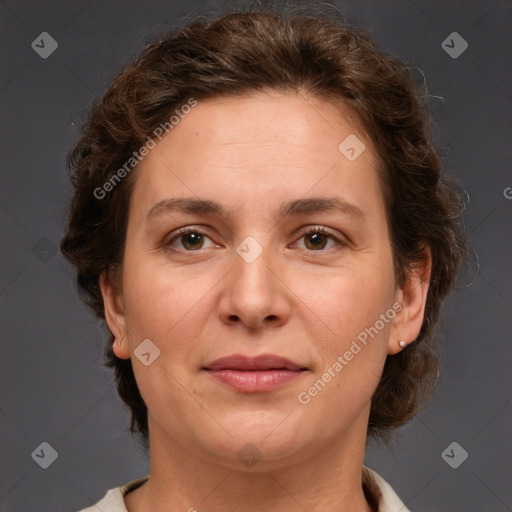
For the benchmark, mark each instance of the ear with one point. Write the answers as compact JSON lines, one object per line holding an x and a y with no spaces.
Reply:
{"x":413,"y":298}
{"x":114,"y":314}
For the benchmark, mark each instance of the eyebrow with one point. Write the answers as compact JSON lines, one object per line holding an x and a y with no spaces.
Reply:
{"x":290,"y":208}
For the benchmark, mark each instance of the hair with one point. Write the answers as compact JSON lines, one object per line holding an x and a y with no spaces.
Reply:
{"x":309,"y":51}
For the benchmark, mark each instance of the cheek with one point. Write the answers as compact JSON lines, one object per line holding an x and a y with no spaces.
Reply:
{"x":173,"y":307}
{"x":352,"y":355}
{"x":169,"y":308}
{"x":351,"y":302}
{"x":160,"y":304}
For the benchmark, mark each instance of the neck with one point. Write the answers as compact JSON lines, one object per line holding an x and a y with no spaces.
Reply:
{"x":329,"y":480}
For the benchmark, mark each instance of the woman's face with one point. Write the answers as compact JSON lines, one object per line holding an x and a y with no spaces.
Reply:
{"x":298,"y":265}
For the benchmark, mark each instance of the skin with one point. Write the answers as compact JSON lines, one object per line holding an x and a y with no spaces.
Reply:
{"x":251,"y":154}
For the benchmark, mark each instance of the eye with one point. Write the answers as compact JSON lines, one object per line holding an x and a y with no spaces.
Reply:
{"x":191,"y":239}
{"x":317,"y":238}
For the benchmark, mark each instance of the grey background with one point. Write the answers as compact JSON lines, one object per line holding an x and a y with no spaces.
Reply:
{"x":53,"y":388}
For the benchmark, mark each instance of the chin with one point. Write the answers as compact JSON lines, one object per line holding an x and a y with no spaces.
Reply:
{"x":266,"y":436}
{"x":259,"y":424}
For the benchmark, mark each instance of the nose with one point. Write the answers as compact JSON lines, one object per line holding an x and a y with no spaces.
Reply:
{"x":254,"y":294}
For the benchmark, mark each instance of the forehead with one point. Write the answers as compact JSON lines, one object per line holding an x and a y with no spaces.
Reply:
{"x":261,"y":146}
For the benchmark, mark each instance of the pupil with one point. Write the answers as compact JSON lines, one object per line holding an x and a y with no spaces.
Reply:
{"x":317,"y":239}
{"x":192,"y":238}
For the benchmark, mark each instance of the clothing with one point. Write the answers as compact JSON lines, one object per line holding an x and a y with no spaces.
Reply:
{"x":388,"y":500}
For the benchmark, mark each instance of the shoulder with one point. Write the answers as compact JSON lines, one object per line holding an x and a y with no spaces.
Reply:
{"x":381,"y":492}
{"x":113,"y":501}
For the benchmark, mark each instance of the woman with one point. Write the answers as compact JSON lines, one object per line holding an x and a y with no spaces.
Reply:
{"x":260,"y":218}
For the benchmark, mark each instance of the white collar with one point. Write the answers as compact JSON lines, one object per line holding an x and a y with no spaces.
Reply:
{"x":113,"y":501}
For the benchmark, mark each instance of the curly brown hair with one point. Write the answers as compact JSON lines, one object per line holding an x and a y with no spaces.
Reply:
{"x":307,"y":50}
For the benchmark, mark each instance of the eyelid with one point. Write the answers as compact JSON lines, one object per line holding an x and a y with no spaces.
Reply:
{"x":169,"y":238}
{"x":340,"y":240}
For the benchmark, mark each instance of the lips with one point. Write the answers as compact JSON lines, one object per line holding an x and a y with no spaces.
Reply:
{"x":254,"y":374}
{"x":244,"y":363}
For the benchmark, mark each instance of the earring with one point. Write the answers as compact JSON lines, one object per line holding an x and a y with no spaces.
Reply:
{"x":403,"y":344}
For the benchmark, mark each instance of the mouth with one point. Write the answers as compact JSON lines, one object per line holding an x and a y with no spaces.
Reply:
{"x":254,"y":374}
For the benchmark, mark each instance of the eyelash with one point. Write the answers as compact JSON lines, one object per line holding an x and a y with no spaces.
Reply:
{"x":302,"y":233}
